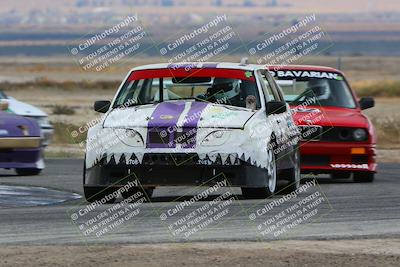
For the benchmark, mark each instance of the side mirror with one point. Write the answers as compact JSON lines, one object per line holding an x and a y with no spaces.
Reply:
{"x":3,"y":105}
{"x":102,"y":106}
{"x":366,"y":102}
{"x":276,"y":107}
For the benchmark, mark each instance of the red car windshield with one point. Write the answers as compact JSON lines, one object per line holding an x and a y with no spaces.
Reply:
{"x":323,"y":89}
{"x":224,"y":86}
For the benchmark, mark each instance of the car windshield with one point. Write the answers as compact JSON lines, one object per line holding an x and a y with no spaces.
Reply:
{"x":230,"y":87}
{"x":321,"y":91}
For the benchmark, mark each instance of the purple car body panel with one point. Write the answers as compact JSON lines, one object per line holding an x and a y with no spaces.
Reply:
{"x":18,"y":157}
{"x":162,"y":123}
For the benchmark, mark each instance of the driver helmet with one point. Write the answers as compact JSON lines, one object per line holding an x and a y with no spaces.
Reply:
{"x":225,"y":88}
{"x":320,"y":88}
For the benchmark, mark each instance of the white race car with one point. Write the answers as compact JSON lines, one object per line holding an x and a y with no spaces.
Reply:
{"x":187,"y":124}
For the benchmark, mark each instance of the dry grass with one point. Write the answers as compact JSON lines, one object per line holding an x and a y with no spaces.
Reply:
{"x":377,"y":88}
{"x":360,"y":69}
{"x":62,"y":110}
{"x":63,"y":134}
{"x":45,"y":83}
{"x":388,"y":130}
{"x":386,"y":119}
{"x":65,"y":70}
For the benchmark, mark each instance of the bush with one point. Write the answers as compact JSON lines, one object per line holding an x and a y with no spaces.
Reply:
{"x":64,"y":134}
{"x":388,"y":130}
{"x":65,"y":85}
{"x":63,"y":110}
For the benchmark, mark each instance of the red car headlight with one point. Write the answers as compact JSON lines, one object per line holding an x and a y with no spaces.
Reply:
{"x":360,"y":134}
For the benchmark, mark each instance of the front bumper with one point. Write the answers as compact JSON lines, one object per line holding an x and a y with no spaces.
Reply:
{"x":19,"y":142}
{"x":328,"y":157}
{"x":21,"y":158}
{"x":165,"y":170}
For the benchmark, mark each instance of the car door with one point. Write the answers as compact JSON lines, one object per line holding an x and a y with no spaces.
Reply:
{"x":282,"y":123}
{"x":274,"y":120}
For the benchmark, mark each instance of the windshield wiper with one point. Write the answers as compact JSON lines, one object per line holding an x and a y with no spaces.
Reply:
{"x":157,"y":102}
{"x":187,"y":98}
{"x":132,"y":105}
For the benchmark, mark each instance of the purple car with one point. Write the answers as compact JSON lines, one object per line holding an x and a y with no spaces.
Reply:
{"x":20,"y":144}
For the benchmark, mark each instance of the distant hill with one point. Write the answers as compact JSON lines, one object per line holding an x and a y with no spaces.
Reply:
{"x":44,"y":27}
{"x":282,"y":6}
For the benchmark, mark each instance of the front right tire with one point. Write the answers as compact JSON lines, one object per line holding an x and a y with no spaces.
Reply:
{"x":292,"y":175}
{"x":264,"y":192}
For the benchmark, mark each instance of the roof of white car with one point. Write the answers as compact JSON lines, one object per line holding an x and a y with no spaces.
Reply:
{"x":217,"y":65}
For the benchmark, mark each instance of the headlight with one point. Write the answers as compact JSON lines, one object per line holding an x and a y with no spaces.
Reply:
{"x":360,"y":135}
{"x":129,"y":137}
{"x":42,"y":121}
{"x":216,"y":138}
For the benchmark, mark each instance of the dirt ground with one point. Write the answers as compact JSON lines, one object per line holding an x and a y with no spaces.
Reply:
{"x":368,"y":252}
{"x":388,"y":155}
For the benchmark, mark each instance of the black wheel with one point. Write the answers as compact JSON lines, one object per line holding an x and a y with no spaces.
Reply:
{"x":292,"y":175}
{"x":97,"y":193}
{"x":147,"y":192}
{"x":363,"y":177}
{"x":102,"y":194}
{"x":264,"y":192}
{"x":340,"y":175}
{"x":27,"y":172}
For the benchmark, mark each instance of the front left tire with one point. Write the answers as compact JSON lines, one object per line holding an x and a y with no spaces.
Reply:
{"x":94,"y":193}
{"x":28,"y":172}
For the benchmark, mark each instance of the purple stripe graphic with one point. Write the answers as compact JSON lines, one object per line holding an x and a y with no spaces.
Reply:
{"x":163,"y":124}
{"x":191,"y":122}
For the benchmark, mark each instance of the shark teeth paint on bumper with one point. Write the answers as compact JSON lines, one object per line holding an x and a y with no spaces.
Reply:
{"x":243,"y":141}
{"x":204,"y":159}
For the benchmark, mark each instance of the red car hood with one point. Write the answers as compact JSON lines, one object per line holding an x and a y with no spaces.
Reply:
{"x":330,"y":116}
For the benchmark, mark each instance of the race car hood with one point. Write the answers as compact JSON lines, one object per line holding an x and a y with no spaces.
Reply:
{"x":330,"y":116}
{"x":185,"y":114}
{"x":24,"y":109}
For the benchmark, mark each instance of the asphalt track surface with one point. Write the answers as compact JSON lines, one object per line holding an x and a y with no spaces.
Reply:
{"x":345,"y":210}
